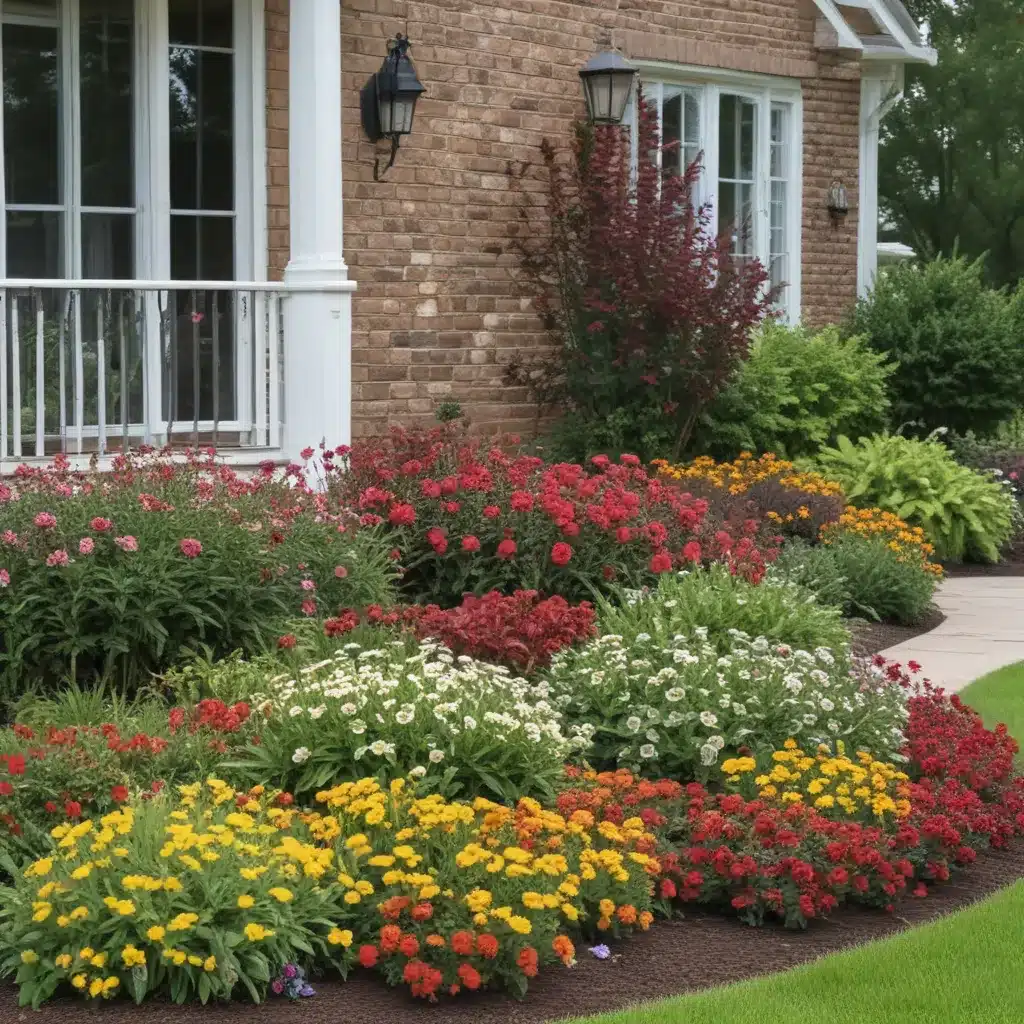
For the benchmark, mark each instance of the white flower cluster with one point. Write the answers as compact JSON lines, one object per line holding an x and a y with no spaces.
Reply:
{"x":679,"y":704}
{"x":419,"y":709}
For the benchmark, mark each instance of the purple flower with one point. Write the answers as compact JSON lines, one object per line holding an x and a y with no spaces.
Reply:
{"x":602,"y":952}
{"x":290,"y":970}
{"x":277,"y":986}
{"x":307,"y":990}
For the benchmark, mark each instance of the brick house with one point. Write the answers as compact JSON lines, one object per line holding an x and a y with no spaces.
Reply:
{"x":195,"y":247}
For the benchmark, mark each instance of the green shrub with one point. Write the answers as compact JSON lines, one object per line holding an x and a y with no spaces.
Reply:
{"x":675,"y":705}
{"x":798,"y":391}
{"x":121,"y":576}
{"x":965,"y":514}
{"x":720,"y":603}
{"x":958,"y":343}
{"x":463,"y":725}
{"x":863,"y":577}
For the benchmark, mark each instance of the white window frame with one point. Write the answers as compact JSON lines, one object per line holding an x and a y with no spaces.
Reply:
{"x":152,"y":210}
{"x":764,"y":91}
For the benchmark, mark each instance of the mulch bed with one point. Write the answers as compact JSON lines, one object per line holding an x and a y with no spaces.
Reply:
{"x":1009,"y":568}
{"x":697,"y":952}
{"x":872,"y":637}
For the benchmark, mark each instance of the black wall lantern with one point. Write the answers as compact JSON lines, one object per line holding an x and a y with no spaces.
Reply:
{"x":388,"y":100}
{"x":607,"y":79}
{"x":838,"y":204}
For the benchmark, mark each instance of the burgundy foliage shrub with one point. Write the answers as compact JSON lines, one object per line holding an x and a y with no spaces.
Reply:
{"x":650,"y":313}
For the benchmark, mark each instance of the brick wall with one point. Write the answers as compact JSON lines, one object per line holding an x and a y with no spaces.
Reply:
{"x":437,"y":313}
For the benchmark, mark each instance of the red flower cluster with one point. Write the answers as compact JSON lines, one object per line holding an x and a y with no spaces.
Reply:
{"x":468,"y":517}
{"x":521,"y":631}
{"x":214,"y":715}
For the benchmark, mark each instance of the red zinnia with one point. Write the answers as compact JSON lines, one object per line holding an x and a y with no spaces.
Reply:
{"x":507,"y":549}
{"x":491,"y":512}
{"x":691,"y":551}
{"x":661,"y":562}
{"x":368,"y":956}
{"x":6,"y":789}
{"x":409,"y":946}
{"x":469,"y":976}
{"x":527,"y":961}
{"x":470,"y":543}
{"x":487,"y":946}
{"x":462,"y":943}
{"x":72,"y":808}
{"x":16,"y":764}
{"x":286,"y":642}
{"x":119,"y":794}
{"x":402,"y":514}
{"x":561,"y":553}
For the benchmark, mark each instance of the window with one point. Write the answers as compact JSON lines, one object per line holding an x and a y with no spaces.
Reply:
{"x":747,"y":128}
{"x":127,"y":142}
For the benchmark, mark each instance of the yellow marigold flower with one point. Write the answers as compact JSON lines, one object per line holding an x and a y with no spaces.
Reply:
{"x":256,"y":932}
{"x":195,"y":961}
{"x":382,"y":860}
{"x":340,"y":937}
{"x":63,"y":961}
{"x":87,"y":953}
{"x":570,"y":911}
{"x":95,"y":987}
{"x":99,"y":960}
{"x":520,"y":925}
{"x":428,"y":892}
{"x":39,"y":868}
{"x":364,"y":888}
{"x":79,"y":981}
{"x":132,"y":956}
{"x":29,"y":956}
{"x":352,"y":897}
{"x":281,"y":894}
{"x":182,"y":922}
{"x":156,"y":933}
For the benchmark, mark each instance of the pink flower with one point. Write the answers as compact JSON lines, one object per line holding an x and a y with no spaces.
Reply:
{"x":492,"y":511}
{"x":402,"y":514}
{"x":306,"y":454}
{"x":5,"y":578}
{"x":507,"y":549}
{"x":58,"y":557}
{"x":198,"y":318}
{"x":629,"y":460}
{"x":470,"y":543}
{"x":286,"y":642}
{"x":452,"y":507}
{"x":522,"y":501}
{"x":128,"y":543}
{"x":340,"y":572}
{"x":561,"y":553}
{"x":45,"y":520}
{"x":691,"y":551}
{"x":100,"y":525}
{"x":308,"y":585}
{"x":309,"y":607}
{"x":437,"y":540}
{"x":661,"y":562}
{"x":9,"y":537}
{"x":190,"y":548}
{"x":623,"y":534}
{"x":85,"y":546}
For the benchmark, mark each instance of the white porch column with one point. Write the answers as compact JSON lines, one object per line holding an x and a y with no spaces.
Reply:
{"x":318,"y":312}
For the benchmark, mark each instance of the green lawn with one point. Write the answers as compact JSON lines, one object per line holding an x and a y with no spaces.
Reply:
{"x":962,"y":969}
{"x":999,"y":697}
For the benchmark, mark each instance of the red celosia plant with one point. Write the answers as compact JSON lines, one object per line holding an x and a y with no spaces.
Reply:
{"x":520,"y":631}
{"x":465,"y":517}
{"x":651,"y":313}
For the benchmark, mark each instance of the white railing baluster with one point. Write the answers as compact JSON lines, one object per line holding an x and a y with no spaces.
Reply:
{"x":152,"y":362}
{"x":101,"y":378}
{"x":274,"y":371}
{"x":16,"y":379}
{"x":79,"y":374}
{"x":62,"y":369}
{"x":259,"y":367}
{"x":40,"y":379}
{"x":3,"y":374}
{"x":123,"y":356}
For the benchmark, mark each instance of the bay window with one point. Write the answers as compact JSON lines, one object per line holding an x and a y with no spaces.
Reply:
{"x":746,"y":130}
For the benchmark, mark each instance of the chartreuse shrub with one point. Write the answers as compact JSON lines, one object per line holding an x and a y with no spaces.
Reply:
{"x":123,"y":575}
{"x":958,"y":344}
{"x":676,"y":706}
{"x":212,"y":896}
{"x":964,"y":514}
{"x":464,"y":726}
{"x":721,"y":604}
{"x":796,"y":391}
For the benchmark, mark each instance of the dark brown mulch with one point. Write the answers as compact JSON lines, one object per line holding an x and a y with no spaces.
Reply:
{"x":1008,"y":568}
{"x":872,"y":637}
{"x":697,"y":952}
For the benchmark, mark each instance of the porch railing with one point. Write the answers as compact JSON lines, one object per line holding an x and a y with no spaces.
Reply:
{"x":88,"y":367}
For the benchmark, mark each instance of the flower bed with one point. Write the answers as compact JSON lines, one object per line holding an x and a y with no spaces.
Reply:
{"x":464,"y":517}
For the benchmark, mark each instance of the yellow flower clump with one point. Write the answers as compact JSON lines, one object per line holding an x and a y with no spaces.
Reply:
{"x":745,"y":471}
{"x":907,"y":541}
{"x":834,"y":784}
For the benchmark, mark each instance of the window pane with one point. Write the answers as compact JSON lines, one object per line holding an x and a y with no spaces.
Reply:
{"x":691,"y":127}
{"x":35,"y":244}
{"x":108,"y":246}
{"x":107,"y":45}
{"x":31,"y":114}
{"x":202,"y":248}
{"x":202,"y":130}
{"x":736,"y":147}
{"x":201,"y":22}
{"x":735,"y":217}
{"x":671,"y":130}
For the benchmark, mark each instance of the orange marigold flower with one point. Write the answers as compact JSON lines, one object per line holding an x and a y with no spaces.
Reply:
{"x":462,"y":943}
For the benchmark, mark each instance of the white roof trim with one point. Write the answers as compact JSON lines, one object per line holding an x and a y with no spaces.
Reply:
{"x":898,"y":39}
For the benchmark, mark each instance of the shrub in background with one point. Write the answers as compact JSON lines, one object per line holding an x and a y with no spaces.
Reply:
{"x":649,"y":312}
{"x":796,"y":503}
{"x":958,"y":345}
{"x":964,"y":514}
{"x":122,"y":575}
{"x":464,"y":517}
{"x":676,"y":706}
{"x":465,"y":726}
{"x":797,"y":391}
{"x":720,"y":604}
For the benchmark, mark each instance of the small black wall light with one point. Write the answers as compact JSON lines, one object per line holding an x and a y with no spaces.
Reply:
{"x":607,"y":80}
{"x":388,"y":100}
{"x":838,"y":204}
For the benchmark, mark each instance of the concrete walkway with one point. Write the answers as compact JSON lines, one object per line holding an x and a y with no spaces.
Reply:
{"x":983,"y":631}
